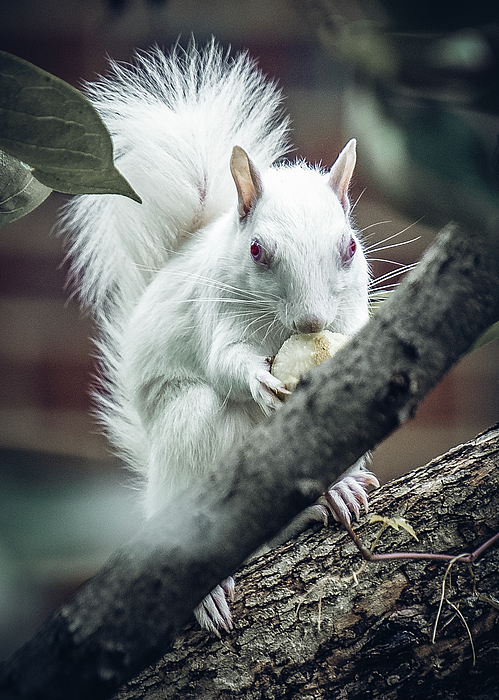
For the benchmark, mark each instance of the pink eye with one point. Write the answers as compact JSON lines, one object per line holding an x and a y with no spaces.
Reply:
{"x":259,"y":254}
{"x":256,"y":251}
{"x":349,"y":251}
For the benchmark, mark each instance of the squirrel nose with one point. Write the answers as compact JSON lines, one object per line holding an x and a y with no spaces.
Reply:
{"x":309,"y":324}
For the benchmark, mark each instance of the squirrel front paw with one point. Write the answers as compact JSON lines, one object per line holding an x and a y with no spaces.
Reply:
{"x":266,"y":389}
{"x":213,"y":612}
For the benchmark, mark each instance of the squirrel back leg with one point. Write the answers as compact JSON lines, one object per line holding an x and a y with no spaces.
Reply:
{"x":192,"y":428}
{"x":344,"y":499}
{"x":189,"y":428}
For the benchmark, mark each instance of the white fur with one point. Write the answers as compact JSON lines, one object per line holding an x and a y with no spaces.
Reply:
{"x":174,"y":120}
{"x":194,"y":352}
{"x":186,"y":317}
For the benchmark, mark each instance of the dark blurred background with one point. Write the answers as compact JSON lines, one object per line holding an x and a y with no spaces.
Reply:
{"x":65,"y":502}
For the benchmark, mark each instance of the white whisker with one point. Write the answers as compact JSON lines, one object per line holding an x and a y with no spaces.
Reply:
{"x":377,"y":247}
{"x":387,"y":260}
{"x":223,"y":286}
{"x":378,"y":223}
{"x":358,"y":199}
{"x":393,"y":273}
{"x":221,"y":300}
{"x":382,"y":290}
{"x":214,"y":284}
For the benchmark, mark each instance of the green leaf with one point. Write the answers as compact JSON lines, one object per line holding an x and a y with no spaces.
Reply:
{"x":20,"y":192}
{"x":51,"y":126}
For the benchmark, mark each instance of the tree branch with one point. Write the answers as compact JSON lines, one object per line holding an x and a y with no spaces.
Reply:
{"x":306,"y":624}
{"x":127,"y":616}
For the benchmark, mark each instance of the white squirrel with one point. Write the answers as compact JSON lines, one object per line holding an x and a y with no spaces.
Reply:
{"x":228,"y":255}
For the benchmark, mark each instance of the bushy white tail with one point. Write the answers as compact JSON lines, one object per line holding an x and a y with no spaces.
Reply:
{"x":174,"y":120}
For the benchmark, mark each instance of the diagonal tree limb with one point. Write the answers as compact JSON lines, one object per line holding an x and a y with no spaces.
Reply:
{"x":129,"y":613}
{"x":313,"y":620}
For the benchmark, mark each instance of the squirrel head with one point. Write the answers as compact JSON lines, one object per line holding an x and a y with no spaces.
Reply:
{"x":302,"y":248}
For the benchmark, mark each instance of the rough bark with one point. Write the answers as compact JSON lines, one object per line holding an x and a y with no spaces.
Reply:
{"x":127,"y":616}
{"x":305,"y":627}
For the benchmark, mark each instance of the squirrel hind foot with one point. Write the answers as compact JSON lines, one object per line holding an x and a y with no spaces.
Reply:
{"x":213,"y":613}
{"x":345,"y":498}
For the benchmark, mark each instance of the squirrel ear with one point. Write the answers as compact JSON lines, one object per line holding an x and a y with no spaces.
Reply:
{"x":341,"y":173}
{"x":247,"y":179}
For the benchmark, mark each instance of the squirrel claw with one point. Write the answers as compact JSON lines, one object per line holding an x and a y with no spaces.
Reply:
{"x":213,"y":612}
{"x":266,"y":390}
{"x":229,"y":586}
{"x":346,"y":497}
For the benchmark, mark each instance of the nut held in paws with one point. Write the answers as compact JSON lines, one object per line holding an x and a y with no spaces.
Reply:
{"x":301,"y":352}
